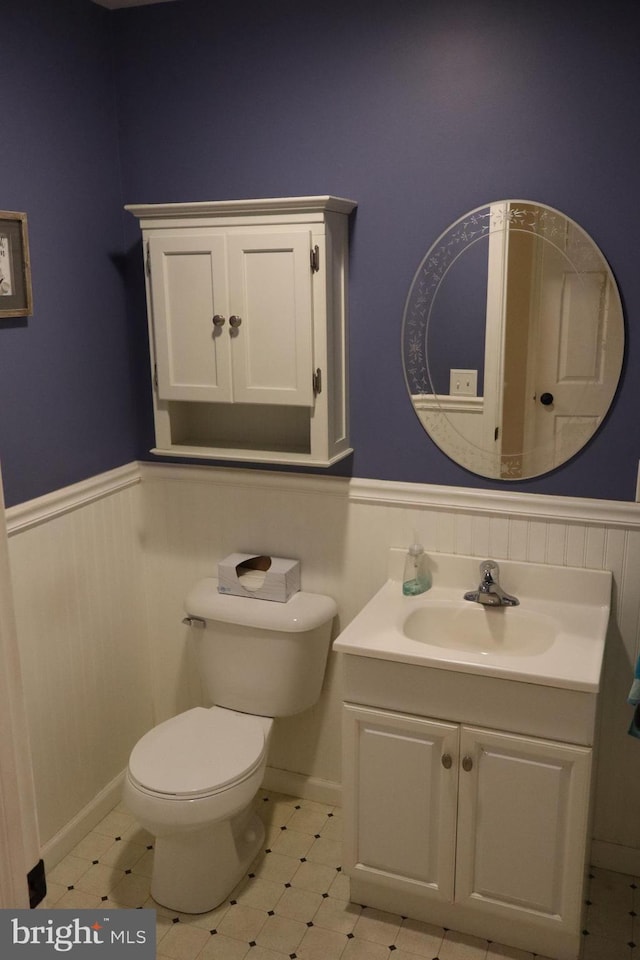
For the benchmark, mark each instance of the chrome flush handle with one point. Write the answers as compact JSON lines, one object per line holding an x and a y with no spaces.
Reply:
{"x":195,"y":622}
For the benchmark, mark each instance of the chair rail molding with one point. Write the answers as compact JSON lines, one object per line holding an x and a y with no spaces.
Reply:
{"x":22,"y":516}
{"x":610,"y":513}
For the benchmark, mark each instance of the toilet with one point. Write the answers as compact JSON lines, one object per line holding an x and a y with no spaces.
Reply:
{"x":191,"y":780}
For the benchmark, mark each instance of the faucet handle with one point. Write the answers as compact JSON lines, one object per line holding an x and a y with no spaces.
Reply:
{"x":489,"y":570}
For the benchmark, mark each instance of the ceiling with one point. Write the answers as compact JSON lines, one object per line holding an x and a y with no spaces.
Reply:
{"x":115,"y":4}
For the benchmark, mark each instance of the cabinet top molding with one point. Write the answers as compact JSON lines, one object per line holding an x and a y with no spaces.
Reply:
{"x":280,"y":205}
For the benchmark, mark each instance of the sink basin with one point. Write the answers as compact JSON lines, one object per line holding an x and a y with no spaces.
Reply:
{"x":555,"y":637}
{"x":510,"y":631}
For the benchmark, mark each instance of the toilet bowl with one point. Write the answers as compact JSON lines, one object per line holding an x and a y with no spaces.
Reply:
{"x":190,"y":782}
{"x":192,"y":779}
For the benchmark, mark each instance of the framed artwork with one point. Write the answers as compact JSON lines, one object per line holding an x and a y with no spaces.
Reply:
{"x":15,"y":270}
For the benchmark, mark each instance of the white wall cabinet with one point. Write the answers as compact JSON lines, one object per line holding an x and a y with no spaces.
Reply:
{"x":475,"y":829}
{"x":247,"y":306}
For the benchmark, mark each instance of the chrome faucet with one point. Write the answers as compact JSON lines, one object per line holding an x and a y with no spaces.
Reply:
{"x":489,"y":592}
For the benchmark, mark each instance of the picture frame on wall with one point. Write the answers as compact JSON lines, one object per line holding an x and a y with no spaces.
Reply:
{"x":15,"y":270}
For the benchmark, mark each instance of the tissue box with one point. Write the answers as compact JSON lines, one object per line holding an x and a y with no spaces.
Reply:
{"x":259,"y":577}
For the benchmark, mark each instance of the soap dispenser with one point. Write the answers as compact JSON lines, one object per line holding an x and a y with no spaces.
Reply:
{"x":417,"y":576}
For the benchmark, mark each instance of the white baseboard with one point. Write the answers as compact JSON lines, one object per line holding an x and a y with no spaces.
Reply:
{"x":299,"y":785}
{"x":613,"y":856}
{"x":609,"y":856}
{"x":282,"y":781}
{"x":73,"y":832}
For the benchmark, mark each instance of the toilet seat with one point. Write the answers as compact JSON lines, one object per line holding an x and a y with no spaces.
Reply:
{"x":198,"y":753}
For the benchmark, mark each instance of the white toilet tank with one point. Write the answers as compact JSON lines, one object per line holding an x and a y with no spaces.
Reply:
{"x":260,"y":656}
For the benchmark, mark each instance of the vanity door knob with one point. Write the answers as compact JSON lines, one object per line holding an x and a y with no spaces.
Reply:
{"x":218,"y":320}
{"x":235,"y":321}
{"x":447,"y":761}
{"x":467,"y":763}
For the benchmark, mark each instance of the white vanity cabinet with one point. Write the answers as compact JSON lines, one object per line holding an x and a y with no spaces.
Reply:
{"x":247,"y":307}
{"x":475,"y":829}
{"x":467,"y":750}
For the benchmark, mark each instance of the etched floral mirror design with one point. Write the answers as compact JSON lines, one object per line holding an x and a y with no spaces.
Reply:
{"x":512,"y":340}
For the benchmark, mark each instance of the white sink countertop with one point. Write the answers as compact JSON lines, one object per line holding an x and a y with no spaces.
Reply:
{"x":554,"y":637}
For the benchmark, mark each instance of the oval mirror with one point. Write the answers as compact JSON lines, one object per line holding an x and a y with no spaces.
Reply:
{"x":512,"y":339}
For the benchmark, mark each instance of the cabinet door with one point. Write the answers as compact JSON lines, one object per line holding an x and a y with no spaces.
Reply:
{"x":189,"y":288}
{"x":522,"y":824}
{"x":400,"y":784}
{"x":270,"y":294}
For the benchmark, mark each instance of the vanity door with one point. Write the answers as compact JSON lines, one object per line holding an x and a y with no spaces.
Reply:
{"x":522,"y":825}
{"x":400,"y":784}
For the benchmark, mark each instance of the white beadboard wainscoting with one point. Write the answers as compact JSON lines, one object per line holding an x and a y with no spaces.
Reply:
{"x":76,"y":567}
{"x":101,"y":569}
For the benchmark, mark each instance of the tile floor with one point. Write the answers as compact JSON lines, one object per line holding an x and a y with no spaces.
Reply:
{"x":293,"y":904}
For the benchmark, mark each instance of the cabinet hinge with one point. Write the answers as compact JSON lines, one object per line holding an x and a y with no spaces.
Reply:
{"x":315,"y":259}
{"x":147,"y":260}
{"x":317,"y":382}
{"x":496,"y":433}
{"x":155,"y":375}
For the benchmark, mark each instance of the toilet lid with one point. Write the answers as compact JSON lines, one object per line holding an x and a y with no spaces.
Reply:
{"x":198,"y":752}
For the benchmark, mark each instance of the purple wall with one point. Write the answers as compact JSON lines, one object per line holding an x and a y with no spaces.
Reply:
{"x":417,"y":109}
{"x":66,"y":399}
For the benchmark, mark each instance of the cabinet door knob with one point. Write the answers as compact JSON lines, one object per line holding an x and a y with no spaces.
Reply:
{"x":447,"y":761}
{"x":467,"y":763}
{"x":235,"y":321}
{"x":218,"y":320}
